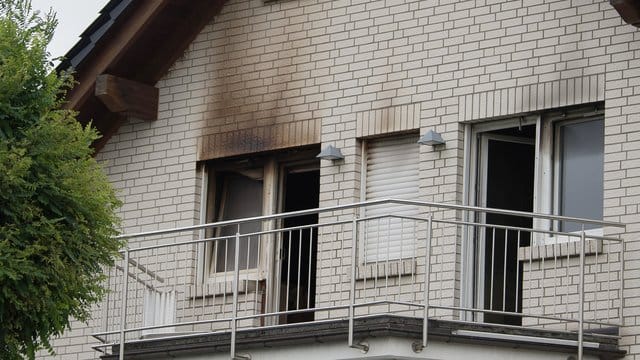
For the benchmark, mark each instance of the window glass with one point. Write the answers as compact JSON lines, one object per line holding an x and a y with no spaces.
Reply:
{"x":581,"y":171}
{"x":241,"y":197}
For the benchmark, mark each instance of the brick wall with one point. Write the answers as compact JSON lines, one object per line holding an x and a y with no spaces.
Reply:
{"x":314,"y":69}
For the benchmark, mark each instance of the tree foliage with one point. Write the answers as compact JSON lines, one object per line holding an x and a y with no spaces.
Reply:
{"x":57,"y":209}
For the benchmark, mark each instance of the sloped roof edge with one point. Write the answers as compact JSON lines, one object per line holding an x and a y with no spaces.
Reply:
{"x":136,"y":41}
{"x":629,"y":10}
{"x":93,"y":33}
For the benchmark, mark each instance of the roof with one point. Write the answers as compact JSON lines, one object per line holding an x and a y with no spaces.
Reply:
{"x":125,"y":51}
{"x":93,"y":33}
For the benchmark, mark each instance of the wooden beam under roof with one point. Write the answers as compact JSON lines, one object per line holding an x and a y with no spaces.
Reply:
{"x":139,"y":45}
{"x":122,"y":38}
{"x":127,"y":97}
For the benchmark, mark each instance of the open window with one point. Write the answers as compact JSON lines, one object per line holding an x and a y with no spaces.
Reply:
{"x":238,"y":194}
{"x":566,"y":166}
{"x":550,"y":163}
{"x":270,"y":251}
{"x":579,"y":168}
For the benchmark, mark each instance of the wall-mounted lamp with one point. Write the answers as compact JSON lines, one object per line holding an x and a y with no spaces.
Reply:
{"x":330,"y":153}
{"x":431,"y":138}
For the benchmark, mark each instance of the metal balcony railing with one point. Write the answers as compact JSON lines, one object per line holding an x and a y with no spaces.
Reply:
{"x":407,"y":258}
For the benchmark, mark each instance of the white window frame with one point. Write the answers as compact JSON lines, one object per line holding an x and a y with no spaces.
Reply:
{"x":268,"y":262}
{"x":546,"y":185}
{"x":546,"y":193}
{"x":548,"y":170}
{"x":557,"y":164}
{"x":205,"y":274}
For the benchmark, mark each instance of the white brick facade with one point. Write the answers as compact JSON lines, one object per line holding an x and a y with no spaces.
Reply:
{"x":301,"y":72}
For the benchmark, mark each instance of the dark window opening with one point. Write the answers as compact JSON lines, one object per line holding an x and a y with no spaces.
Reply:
{"x":299,"y":247}
{"x":509,"y":185}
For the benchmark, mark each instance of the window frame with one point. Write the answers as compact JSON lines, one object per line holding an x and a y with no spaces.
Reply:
{"x":208,"y":253}
{"x":272,"y":165}
{"x":544,"y":171}
{"x":546,"y":168}
{"x":557,"y":175}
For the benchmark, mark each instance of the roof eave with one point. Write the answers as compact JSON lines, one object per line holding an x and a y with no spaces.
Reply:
{"x":135,"y":42}
{"x":629,"y":10}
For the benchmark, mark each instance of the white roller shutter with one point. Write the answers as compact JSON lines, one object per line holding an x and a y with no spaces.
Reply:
{"x":391,"y":172}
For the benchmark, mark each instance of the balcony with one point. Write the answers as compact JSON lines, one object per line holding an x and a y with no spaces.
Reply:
{"x":426,"y":270}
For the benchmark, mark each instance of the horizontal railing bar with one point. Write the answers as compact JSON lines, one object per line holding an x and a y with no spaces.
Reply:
{"x":389,"y":302}
{"x":451,"y":222}
{"x":337,"y":307}
{"x":522,"y":338}
{"x":369,"y":316}
{"x":274,"y":231}
{"x":522,"y":315}
{"x":200,"y":322}
{"x":405,"y":217}
{"x":189,"y":242}
{"x":167,"y":337}
{"x":329,"y":308}
{"x":232,"y":237}
{"x":280,"y":326}
{"x":246,"y":317}
{"x":142,"y":328}
{"x":371,"y":203}
{"x":487,"y":311}
{"x":196,"y":333}
{"x":183,"y":335}
{"x":371,"y":303}
{"x":529,"y":230}
{"x":537,"y":327}
{"x":496,"y":226}
{"x":289,"y":312}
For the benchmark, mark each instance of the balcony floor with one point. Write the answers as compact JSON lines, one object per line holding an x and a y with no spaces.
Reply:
{"x":190,"y":346}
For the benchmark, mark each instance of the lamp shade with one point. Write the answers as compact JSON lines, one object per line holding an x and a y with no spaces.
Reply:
{"x":431,"y":138}
{"x":330,"y":153}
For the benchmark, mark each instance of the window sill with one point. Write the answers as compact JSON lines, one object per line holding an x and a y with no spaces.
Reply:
{"x":386,"y":269}
{"x":225,"y":288}
{"x":559,"y":250}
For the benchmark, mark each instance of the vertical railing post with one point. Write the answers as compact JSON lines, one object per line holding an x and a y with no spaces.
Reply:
{"x":417,"y":347}
{"x":236,"y":279}
{"x":105,"y":309}
{"x":123,"y":304}
{"x":427,"y":274}
{"x":352,"y":291}
{"x":352,"y":288}
{"x":621,"y":292}
{"x":581,"y":296}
